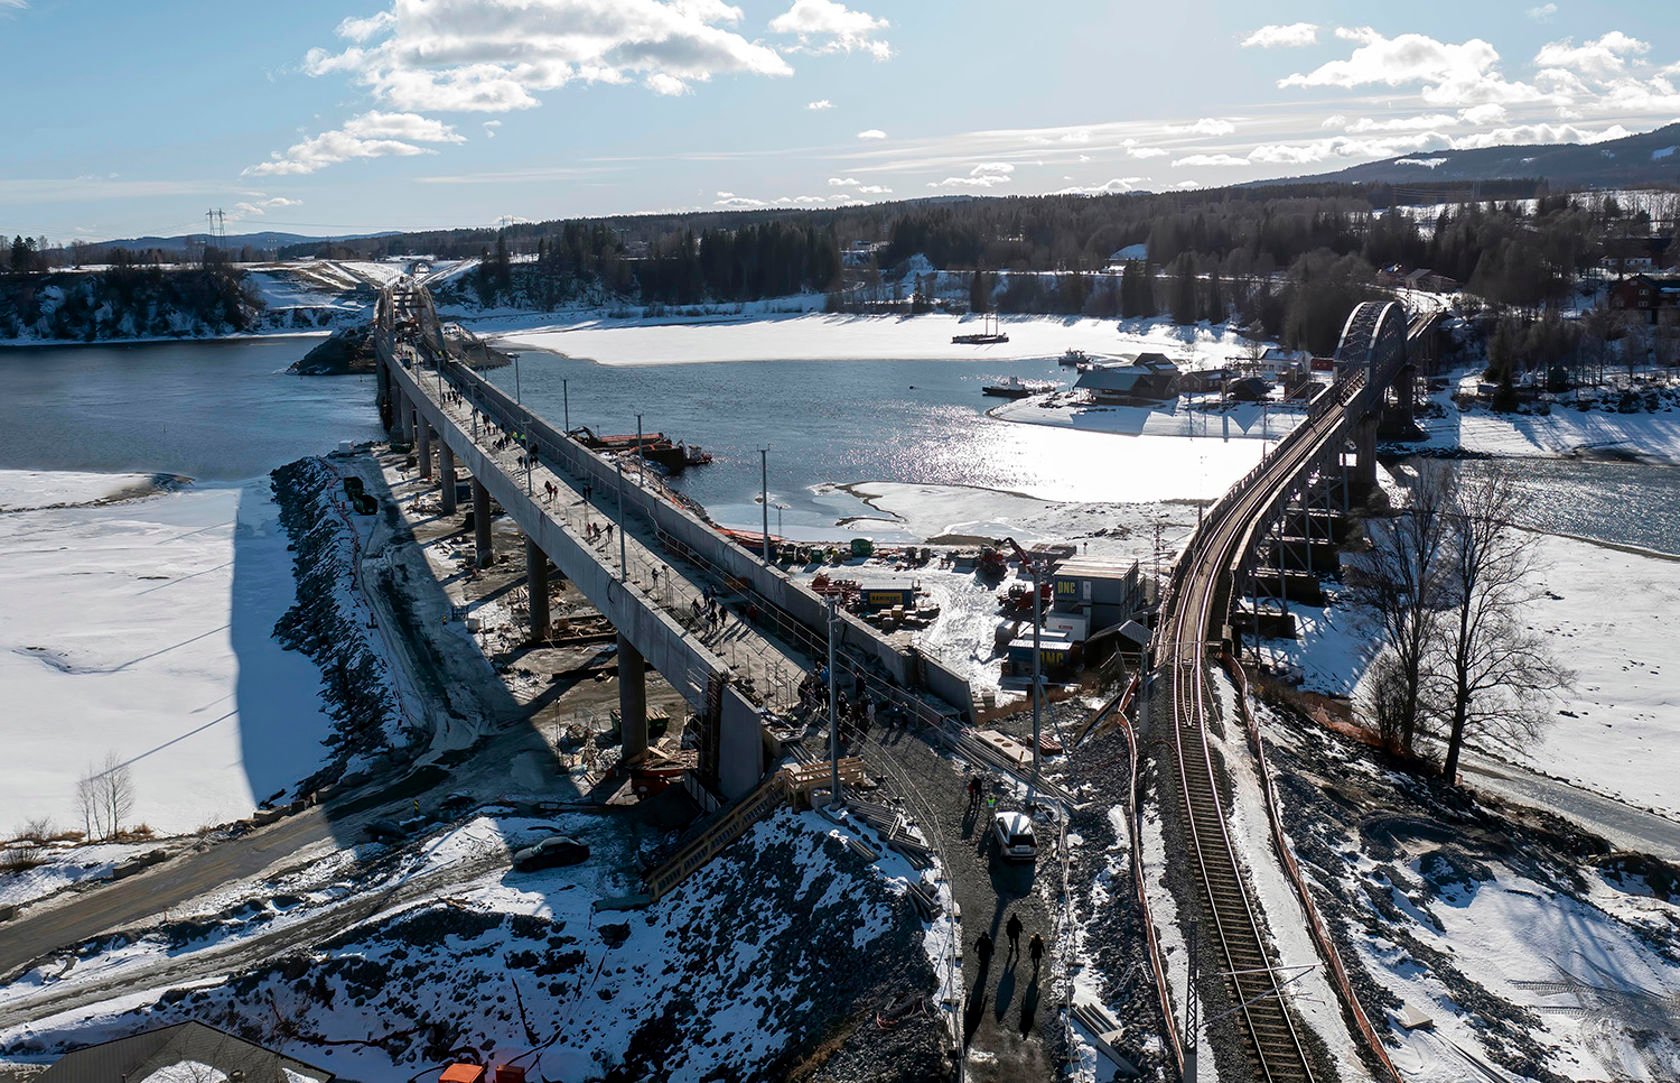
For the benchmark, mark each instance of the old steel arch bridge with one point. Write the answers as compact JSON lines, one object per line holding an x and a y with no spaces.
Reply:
{"x":1241,"y":545}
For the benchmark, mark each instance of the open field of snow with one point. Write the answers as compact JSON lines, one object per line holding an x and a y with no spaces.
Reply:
{"x":819,"y":337}
{"x":1612,"y":616}
{"x":143,"y":629}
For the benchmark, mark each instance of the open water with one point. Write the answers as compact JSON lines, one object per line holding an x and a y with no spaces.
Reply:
{"x":227,"y":411}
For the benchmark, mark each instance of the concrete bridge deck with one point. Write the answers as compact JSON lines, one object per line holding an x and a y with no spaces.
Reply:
{"x":649,"y":579}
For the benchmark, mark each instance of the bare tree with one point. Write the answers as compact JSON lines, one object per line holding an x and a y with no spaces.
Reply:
{"x":87,"y":803}
{"x":1400,"y":579}
{"x":1495,"y":673}
{"x":105,"y":797}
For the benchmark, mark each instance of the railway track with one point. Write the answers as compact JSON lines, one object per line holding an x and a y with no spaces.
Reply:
{"x":1198,"y":596}
{"x":1231,"y":917}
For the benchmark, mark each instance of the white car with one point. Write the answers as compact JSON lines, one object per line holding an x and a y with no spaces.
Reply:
{"x":1013,"y":832}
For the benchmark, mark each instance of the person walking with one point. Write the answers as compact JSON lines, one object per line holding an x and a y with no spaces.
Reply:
{"x":1014,"y":931}
{"x":1035,"y":951}
{"x":983,"y":948}
{"x":974,"y":791}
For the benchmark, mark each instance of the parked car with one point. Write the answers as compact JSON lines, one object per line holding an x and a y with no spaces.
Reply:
{"x":1013,"y":833}
{"x":383,"y":831}
{"x":552,"y":852}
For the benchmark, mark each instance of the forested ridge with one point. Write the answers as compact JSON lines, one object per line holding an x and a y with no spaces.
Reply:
{"x":1289,"y":260}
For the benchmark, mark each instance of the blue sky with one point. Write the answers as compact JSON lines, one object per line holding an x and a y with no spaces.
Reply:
{"x":325,"y":116}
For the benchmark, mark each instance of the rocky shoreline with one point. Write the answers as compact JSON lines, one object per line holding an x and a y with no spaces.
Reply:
{"x":328,"y":622}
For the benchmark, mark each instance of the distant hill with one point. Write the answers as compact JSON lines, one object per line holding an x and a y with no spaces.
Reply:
{"x":1648,"y":158}
{"x":267,"y":240}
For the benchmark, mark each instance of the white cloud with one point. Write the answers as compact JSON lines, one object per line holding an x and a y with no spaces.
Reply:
{"x":732,"y":201}
{"x":1543,"y":13}
{"x":1116,"y":186}
{"x":1539,"y":133}
{"x":827,"y":26}
{"x":1210,"y":159}
{"x":984,"y":175}
{"x":820,"y":103}
{"x":874,"y":189}
{"x":16,"y":5}
{"x":843,"y":182}
{"x":1292,"y":35}
{"x":497,"y":55}
{"x":1451,"y":74}
{"x":872,"y":133}
{"x":667,"y":85}
{"x":1204,"y":126}
{"x":490,"y":127}
{"x":1605,"y":55}
{"x":1402,"y":124}
{"x":1486,"y":113}
{"x":260,"y":207}
{"x":369,"y":135}
{"x":1147,"y":152}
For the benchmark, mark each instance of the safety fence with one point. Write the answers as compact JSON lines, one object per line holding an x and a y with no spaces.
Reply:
{"x":1157,"y":961}
{"x":1280,"y":840}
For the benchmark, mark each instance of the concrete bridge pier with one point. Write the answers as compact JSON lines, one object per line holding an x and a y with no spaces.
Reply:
{"x":1365,"y":479}
{"x":1405,"y":393}
{"x":536,"y":585}
{"x":424,"y":451}
{"x":485,"y":551}
{"x":401,"y":414}
{"x":446,"y":476}
{"x":632,"y":700}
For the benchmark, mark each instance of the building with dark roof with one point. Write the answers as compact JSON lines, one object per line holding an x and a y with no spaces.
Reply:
{"x":189,"y":1052}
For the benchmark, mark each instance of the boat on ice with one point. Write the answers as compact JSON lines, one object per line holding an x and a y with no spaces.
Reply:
{"x":990,"y":333}
{"x":1073,"y":357}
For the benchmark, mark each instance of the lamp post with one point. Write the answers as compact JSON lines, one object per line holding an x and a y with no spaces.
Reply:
{"x":623,"y":561}
{"x":566,"y":406}
{"x":764,"y":482}
{"x":1038,"y":622}
{"x":833,"y":713}
{"x":641,"y":456}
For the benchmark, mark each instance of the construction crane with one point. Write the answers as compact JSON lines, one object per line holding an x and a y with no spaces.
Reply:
{"x":1036,"y":569}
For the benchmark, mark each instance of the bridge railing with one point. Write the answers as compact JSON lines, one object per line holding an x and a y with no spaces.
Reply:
{"x":679,"y":531}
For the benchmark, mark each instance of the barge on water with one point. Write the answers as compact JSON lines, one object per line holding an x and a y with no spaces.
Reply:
{"x":1013,"y":387}
{"x":656,"y":448}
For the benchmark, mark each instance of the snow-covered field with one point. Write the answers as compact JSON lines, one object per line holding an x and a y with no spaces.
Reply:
{"x":818,"y":337}
{"x":143,"y":628}
{"x":1610,"y":615}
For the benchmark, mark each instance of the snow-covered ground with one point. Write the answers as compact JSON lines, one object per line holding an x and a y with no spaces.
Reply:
{"x":143,"y":628}
{"x":818,"y":337}
{"x":1515,"y":952}
{"x":1612,"y":616}
{"x":1565,"y":430}
{"x":505,"y":961}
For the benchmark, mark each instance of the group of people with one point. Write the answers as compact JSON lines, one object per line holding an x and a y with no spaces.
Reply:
{"x":595,"y":532}
{"x":855,"y":711}
{"x":707,"y":610}
{"x":550,"y":491}
{"x":1035,"y":947}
